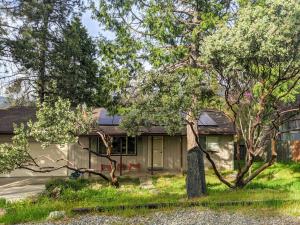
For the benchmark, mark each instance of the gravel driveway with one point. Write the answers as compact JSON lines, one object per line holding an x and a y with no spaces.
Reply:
{"x":182,"y":217}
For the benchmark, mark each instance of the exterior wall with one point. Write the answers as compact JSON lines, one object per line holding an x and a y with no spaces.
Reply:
{"x":80,"y":157}
{"x":222,"y":152}
{"x":140,"y":157}
{"x":53,"y":152}
{"x":172,"y":153}
{"x":173,"y":147}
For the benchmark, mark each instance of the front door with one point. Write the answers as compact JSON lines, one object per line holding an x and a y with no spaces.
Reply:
{"x":158,"y":152}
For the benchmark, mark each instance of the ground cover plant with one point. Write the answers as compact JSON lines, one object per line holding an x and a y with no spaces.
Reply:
{"x":271,"y":190}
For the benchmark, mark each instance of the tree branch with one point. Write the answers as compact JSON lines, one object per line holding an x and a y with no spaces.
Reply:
{"x":220,"y":177}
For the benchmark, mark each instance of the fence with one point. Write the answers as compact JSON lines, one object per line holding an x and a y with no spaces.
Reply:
{"x":287,"y":151}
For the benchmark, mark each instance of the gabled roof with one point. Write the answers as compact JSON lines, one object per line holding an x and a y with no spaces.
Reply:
{"x":210,"y":122}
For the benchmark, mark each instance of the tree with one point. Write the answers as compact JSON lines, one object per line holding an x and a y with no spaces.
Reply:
{"x":57,"y":123}
{"x":6,"y":29}
{"x":74,"y":68}
{"x":166,"y":36}
{"x":257,"y":61}
{"x":31,"y":48}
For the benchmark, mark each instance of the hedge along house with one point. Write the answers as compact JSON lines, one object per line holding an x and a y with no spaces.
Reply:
{"x":153,"y":150}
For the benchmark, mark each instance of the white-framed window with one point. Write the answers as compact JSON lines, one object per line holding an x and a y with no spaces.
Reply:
{"x":212,"y":143}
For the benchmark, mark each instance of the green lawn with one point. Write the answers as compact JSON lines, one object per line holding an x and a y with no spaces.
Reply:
{"x":280,"y":182}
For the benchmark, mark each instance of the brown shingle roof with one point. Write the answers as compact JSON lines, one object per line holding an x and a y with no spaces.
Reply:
{"x":19,"y":115}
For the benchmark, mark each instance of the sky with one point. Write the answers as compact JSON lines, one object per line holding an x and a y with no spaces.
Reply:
{"x":91,"y":25}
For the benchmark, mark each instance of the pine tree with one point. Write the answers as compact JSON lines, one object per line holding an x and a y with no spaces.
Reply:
{"x":74,"y":69}
{"x":32,"y":47}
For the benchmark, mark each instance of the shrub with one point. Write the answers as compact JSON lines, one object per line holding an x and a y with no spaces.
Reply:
{"x":62,"y":185}
{"x":2,"y":202}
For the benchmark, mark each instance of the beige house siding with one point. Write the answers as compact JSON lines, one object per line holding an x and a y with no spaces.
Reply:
{"x":172,"y":152}
{"x":140,"y":157}
{"x":46,"y":157}
{"x":80,"y":157}
{"x":184,"y":153}
{"x":222,"y":152}
{"x":77,"y":157}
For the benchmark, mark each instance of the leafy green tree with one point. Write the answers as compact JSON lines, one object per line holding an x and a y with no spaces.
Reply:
{"x":57,"y":123}
{"x":174,"y":88}
{"x":16,"y":153}
{"x":41,"y":25}
{"x":74,"y":68}
{"x":257,"y":61}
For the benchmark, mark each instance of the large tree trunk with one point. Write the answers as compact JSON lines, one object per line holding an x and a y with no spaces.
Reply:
{"x":195,"y":179}
{"x":44,"y":46}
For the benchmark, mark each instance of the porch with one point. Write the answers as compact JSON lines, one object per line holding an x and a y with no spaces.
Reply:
{"x":147,"y":154}
{"x":143,"y":154}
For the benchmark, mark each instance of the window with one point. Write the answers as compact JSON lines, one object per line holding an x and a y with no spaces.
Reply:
{"x":290,"y":129}
{"x":212,"y":143}
{"x":202,"y":140}
{"x":131,"y":146}
{"x":101,"y":147}
{"x":121,"y":145}
{"x":94,"y":144}
{"x":97,"y":145}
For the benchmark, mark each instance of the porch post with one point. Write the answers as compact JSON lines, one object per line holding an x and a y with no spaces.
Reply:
{"x":151,"y":155}
{"x":121,"y":158}
{"x":181,"y":154}
{"x":90,"y":155}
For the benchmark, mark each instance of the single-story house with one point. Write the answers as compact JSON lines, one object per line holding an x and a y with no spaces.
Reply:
{"x":153,"y":150}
